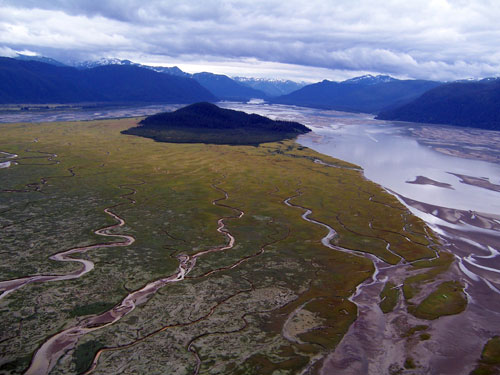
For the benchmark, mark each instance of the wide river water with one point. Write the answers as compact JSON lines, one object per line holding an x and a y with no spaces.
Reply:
{"x":459,"y":197}
{"x":391,"y":157}
{"x":444,"y":175}
{"x":398,"y":156}
{"x":441,"y":174}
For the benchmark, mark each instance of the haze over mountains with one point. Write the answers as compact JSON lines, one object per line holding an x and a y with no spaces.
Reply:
{"x":223,"y":87}
{"x":226,"y":88}
{"x":272,"y":87}
{"x":36,"y":79}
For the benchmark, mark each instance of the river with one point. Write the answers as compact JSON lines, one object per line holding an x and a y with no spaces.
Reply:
{"x":444,"y":175}
{"x":447,"y":176}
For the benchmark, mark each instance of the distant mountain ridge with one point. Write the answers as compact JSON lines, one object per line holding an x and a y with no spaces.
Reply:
{"x":39,"y":82}
{"x":472,"y":104}
{"x":271,"y":87}
{"x":369,"y":79}
{"x":89,"y":64}
{"x":220,"y":85}
{"x":226,"y":88}
{"x":369,"y":94}
{"x":47,"y":60}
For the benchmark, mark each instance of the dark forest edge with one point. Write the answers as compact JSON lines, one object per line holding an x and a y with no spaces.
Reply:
{"x":469,"y":104}
{"x":206,"y":123}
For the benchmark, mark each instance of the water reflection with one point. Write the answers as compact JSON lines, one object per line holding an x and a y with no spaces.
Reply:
{"x":459,"y":198}
{"x":388,"y":153}
{"x":391,"y":157}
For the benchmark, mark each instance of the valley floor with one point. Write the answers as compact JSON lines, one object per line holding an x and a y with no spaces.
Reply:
{"x":124,"y":255}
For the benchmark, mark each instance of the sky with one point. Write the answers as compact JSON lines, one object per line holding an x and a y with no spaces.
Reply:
{"x":307,"y":40}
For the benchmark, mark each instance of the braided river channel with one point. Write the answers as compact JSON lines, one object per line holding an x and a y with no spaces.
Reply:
{"x":450,"y":178}
{"x":447,"y":176}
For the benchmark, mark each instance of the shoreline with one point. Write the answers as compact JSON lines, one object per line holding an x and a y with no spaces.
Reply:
{"x":379,"y":280}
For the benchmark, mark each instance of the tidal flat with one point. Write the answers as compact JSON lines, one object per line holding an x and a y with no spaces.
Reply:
{"x":250,"y":285}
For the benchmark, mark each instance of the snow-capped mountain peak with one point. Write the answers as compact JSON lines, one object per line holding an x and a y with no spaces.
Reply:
{"x":101,"y":62}
{"x":369,"y":79}
{"x":271,"y":86}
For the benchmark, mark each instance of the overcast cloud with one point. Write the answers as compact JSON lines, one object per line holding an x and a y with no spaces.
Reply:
{"x":312,"y":39}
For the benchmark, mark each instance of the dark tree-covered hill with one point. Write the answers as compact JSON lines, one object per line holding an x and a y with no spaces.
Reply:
{"x":472,"y":104}
{"x":38,"y":82}
{"x":137,"y":84}
{"x":207,"y":123}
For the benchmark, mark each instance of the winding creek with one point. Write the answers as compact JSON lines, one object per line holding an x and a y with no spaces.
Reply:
{"x":10,"y":286}
{"x":4,"y":159}
{"x":458,"y":198}
{"x":368,"y":347}
{"x":51,"y":350}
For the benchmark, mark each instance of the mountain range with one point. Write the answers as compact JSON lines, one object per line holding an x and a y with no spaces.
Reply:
{"x":38,"y":79}
{"x":222,"y":86}
{"x":47,"y":60}
{"x":226,"y":88}
{"x":271,"y":87}
{"x":174,"y":70}
{"x":369,"y":94}
{"x":472,"y":104}
{"x":39,"y":82}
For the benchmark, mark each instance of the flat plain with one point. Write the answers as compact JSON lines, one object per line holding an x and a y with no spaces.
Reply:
{"x":247,"y":284}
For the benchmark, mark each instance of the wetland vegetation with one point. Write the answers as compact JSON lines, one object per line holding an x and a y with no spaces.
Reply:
{"x":252,"y":288}
{"x":489,"y":364}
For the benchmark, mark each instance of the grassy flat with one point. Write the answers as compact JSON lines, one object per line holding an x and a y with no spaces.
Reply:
{"x":491,"y":351}
{"x":447,"y":299}
{"x":489,"y":364}
{"x":274,"y":301}
{"x":389,"y":297}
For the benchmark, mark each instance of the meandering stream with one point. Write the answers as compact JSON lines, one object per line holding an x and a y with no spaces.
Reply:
{"x":51,"y":350}
{"x":458,"y":198}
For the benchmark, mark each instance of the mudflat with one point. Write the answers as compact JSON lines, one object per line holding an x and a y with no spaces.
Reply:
{"x":218,"y":259}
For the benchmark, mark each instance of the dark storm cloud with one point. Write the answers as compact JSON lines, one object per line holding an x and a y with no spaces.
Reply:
{"x":436,"y":39}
